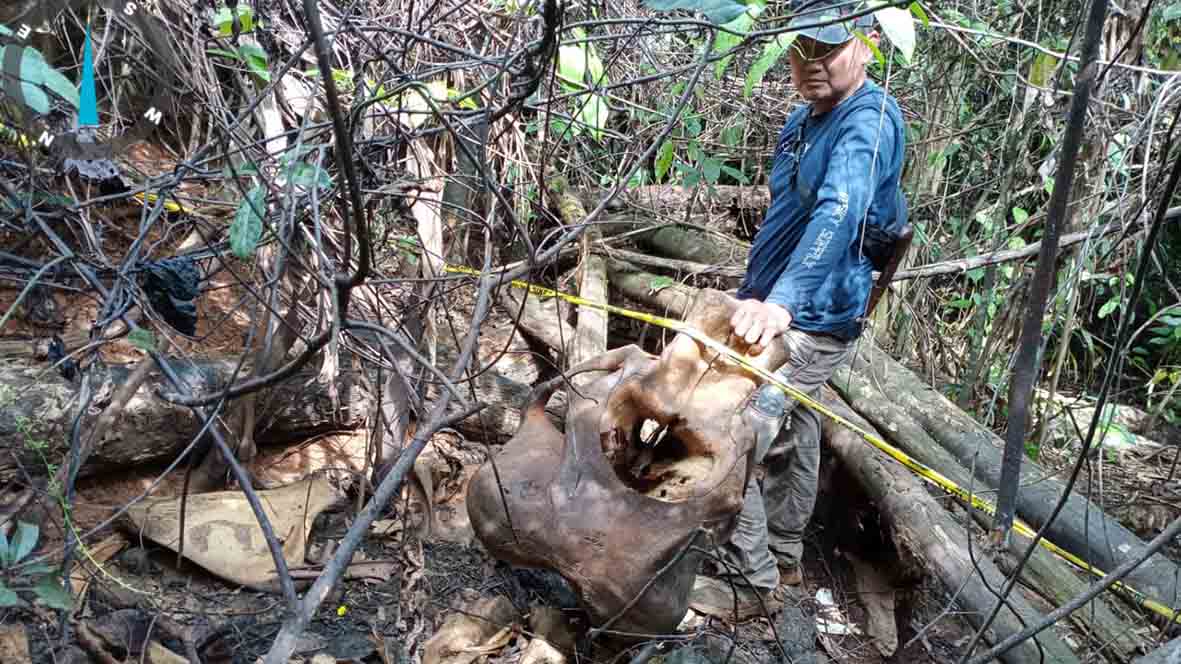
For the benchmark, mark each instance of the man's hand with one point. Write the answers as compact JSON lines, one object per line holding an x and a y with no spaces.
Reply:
{"x":760,"y":322}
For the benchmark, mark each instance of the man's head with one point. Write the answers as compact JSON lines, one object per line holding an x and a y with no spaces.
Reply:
{"x":828,"y":61}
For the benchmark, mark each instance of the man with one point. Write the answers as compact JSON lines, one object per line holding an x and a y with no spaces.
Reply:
{"x":836,"y":209}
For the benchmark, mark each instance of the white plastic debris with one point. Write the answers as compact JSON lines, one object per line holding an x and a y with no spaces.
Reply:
{"x":829,"y":619}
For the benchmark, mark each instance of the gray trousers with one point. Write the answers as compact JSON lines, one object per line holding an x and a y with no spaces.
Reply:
{"x":771,"y":524}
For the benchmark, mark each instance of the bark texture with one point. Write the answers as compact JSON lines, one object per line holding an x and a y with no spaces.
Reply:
{"x":1081,"y":527}
{"x":37,"y":409}
{"x":923,"y":531}
{"x":1050,"y":577}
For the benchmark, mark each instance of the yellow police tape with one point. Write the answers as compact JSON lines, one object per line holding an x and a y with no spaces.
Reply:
{"x":920,"y":469}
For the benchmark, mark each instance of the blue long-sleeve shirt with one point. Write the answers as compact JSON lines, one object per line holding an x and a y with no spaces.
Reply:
{"x":830,"y":175}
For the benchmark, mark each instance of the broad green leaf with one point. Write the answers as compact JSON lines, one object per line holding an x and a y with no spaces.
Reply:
{"x":658,"y":283}
{"x":1041,"y":69}
{"x":1020,"y":215}
{"x":595,"y":114}
{"x":142,"y":339}
{"x":873,"y":48}
{"x":960,"y":303}
{"x":898,"y":25}
{"x":8,"y":598}
{"x":53,"y":595}
{"x":594,"y":66}
{"x":736,"y":174}
{"x":1171,"y":13}
{"x":772,"y":51}
{"x":920,"y":13}
{"x":223,"y":52}
{"x":256,"y":59}
{"x":572,"y":63}
{"x":5,"y":555}
{"x":61,"y":86}
{"x":224,"y":20}
{"x":1107,"y":308}
{"x":23,"y":541}
{"x":732,"y":134}
{"x":717,"y":11}
{"x":712,"y":168}
{"x":5,"y":31}
{"x":664,"y":159}
{"x":728,"y":40}
{"x":246,"y":229}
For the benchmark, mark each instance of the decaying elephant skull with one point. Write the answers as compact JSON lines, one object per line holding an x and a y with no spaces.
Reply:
{"x":606,"y":511}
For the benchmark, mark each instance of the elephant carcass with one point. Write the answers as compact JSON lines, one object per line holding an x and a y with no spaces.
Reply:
{"x":608,"y":512}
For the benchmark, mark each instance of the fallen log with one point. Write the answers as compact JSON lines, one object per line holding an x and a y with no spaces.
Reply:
{"x":932,"y":540}
{"x":674,"y":199}
{"x":653,"y":290}
{"x":1169,"y":653}
{"x":1081,"y":527}
{"x":37,"y":407}
{"x":1052,"y":578}
{"x":691,"y":244}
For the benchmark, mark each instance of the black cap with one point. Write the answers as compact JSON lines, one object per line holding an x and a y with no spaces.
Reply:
{"x":809,"y":12}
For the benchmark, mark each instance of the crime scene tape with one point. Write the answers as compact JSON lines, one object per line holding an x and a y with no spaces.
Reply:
{"x":922,"y":470}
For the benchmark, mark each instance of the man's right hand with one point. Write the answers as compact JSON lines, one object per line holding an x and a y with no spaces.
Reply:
{"x":759,"y":322}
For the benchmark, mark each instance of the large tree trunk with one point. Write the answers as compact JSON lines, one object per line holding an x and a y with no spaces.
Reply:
{"x":1081,"y":527}
{"x":37,"y":408}
{"x":924,"y":532}
{"x":1045,"y":574}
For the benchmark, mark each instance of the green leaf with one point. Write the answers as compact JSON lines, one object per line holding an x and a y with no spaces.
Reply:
{"x":222,"y":51}
{"x":256,"y":59}
{"x":899,"y":28}
{"x":1171,"y":13}
{"x":142,"y":339}
{"x":5,"y":556}
{"x":1020,"y":215}
{"x":32,"y":68}
{"x":728,"y":40}
{"x":1107,"y":308}
{"x":664,"y":159}
{"x":58,"y":84}
{"x":873,"y":48}
{"x":595,"y":114}
{"x":660,"y":282}
{"x":53,"y":595}
{"x":717,"y":11}
{"x":8,"y":598}
{"x":772,"y":51}
{"x":920,"y":13}
{"x":224,"y":20}
{"x":246,"y":229}
{"x":572,"y":63}
{"x":712,"y":168}
{"x":1041,"y":69}
{"x":736,"y":174}
{"x":24,"y":541}
{"x":960,"y":303}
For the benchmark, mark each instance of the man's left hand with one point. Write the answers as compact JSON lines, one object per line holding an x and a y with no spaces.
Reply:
{"x":760,"y":322}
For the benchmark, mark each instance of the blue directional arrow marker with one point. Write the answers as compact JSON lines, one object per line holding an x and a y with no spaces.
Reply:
{"x":88,"y":109}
